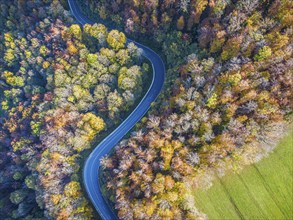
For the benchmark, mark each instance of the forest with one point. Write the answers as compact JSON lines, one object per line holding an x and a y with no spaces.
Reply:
{"x":226,"y":101}
{"x":61,"y":87}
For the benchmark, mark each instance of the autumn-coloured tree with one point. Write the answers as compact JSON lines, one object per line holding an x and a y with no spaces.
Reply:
{"x":58,"y":90}
{"x":226,"y":87}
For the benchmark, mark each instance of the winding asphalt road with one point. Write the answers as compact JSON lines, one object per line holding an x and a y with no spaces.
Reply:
{"x":91,"y":168}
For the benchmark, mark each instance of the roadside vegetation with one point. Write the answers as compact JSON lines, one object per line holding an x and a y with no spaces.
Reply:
{"x":260,"y":191}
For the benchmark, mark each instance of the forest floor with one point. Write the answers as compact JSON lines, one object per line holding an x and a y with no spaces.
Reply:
{"x":260,"y":191}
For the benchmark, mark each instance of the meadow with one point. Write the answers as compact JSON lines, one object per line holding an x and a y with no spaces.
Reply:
{"x":259,"y":191}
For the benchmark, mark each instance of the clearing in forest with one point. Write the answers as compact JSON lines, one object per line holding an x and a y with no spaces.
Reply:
{"x":260,"y":191}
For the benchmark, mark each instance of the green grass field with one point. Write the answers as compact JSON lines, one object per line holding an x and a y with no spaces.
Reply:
{"x":260,"y":191}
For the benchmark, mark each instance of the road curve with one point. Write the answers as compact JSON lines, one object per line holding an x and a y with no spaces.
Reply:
{"x":91,"y":168}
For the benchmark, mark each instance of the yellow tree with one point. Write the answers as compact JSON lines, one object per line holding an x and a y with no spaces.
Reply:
{"x":75,"y":30}
{"x":116,"y":39}
{"x":72,"y":189}
{"x":91,"y":125}
{"x":180,"y":23}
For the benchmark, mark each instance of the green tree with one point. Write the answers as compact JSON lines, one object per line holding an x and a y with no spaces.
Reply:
{"x":12,"y":80}
{"x":9,"y":57}
{"x":30,"y":182}
{"x":18,"y":196}
{"x":263,"y":53}
{"x":91,"y":58}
